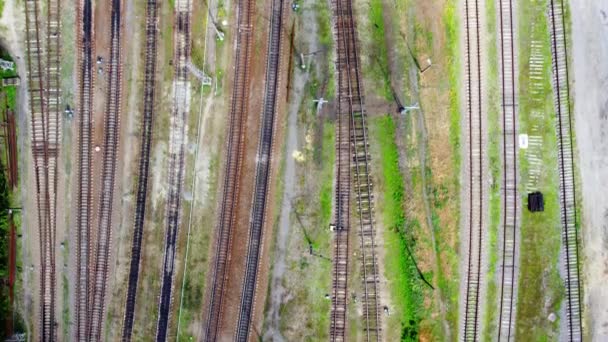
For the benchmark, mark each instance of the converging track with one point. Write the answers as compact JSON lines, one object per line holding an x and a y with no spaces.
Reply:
{"x":232,"y":170}
{"x":352,"y":154}
{"x":510,"y":210}
{"x":263,"y":168}
{"x":567,"y":191}
{"x":474,"y":171}
{"x":45,"y":97}
{"x":177,"y":141}
{"x":144,"y":164}
{"x":101,"y":254}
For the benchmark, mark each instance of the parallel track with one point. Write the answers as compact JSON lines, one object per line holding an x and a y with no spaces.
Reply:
{"x":144,"y":164}
{"x":352,"y":155}
{"x":44,"y":88}
{"x":510,"y":211}
{"x":84,"y":197}
{"x":475,"y":172}
{"x":232,"y":169}
{"x":53,"y":90}
{"x":177,"y":141}
{"x":567,"y":194}
{"x":263,"y":168}
{"x":99,"y":275}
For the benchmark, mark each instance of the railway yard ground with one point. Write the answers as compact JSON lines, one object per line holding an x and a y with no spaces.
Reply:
{"x":308,"y":170}
{"x":590,"y":110}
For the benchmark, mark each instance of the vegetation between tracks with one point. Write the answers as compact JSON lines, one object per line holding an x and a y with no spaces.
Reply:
{"x":541,"y":232}
{"x":428,"y":153}
{"x":448,"y":185}
{"x":495,"y":163}
{"x":378,"y":59}
{"x":204,"y":195}
{"x":405,"y":285}
{"x":451,"y":28}
{"x":308,"y":273}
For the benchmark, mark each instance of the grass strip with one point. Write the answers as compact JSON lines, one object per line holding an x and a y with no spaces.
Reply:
{"x":405,"y":286}
{"x":541,"y":232}
{"x":495,"y":164}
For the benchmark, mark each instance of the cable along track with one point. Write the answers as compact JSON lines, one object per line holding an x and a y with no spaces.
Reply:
{"x":232,"y":170}
{"x":510,"y":209}
{"x":567,"y":188}
{"x":352,"y":155}
{"x":144,"y":165}
{"x":263,"y":169}
{"x":177,"y":141}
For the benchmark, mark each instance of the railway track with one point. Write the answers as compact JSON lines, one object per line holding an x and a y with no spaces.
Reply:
{"x":86,"y":76}
{"x":232,"y":169}
{"x":263,"y":169}
{"x":53,"y":89}
{"x":44,"y":89}
{"x":510,"y":210}
{"x":111,"y":142}
{"x":567,"y":189}
{"x":353,"y":161}
{"x":474,"y":179}
{"x":177,"y":141}
{"x":144,"y":164}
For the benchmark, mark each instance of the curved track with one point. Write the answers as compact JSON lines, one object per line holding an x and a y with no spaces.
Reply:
{"x":232,"y":169}
{"x":567,"y":191}
{"x":510,"y":211}
{"x":144,"y":164}
{"x":177,"y":140}
{"x":263,"y":168}
{"x":352,"y":153}
{"x":474,"y":172}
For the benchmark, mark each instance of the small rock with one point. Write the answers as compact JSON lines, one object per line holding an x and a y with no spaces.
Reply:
{"x":552,"y":317}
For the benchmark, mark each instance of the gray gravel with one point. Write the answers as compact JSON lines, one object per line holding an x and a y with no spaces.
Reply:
{"x":590,"y":70}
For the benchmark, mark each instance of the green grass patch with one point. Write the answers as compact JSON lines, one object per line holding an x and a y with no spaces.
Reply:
{"x":8,"y":99}
{"x":326,"y":41}
{"x":404,"y":283}
{"x":378,"y":50}
{"x":7,"y":57}
{"x":495,"y":165}
{"x":451,"y":22}
{"x":324,"y":32}
{"x":5,"y":309}
{"x":327,"y":154}
{"x":450,"y":18}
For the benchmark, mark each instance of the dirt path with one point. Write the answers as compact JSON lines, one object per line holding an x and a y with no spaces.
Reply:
{"x":590,"y":51}
{"x":278,"y":292}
